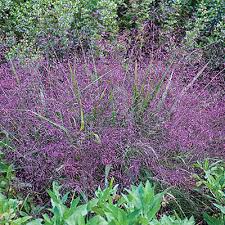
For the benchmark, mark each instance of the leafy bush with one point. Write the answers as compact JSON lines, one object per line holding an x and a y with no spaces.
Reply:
{"x":213,"y":180}
{"x":137,"y":205}
{"x":198,"y":24}
{"x":132,"y":14}
{"x":195,"y":24}
{"x":9,"y":209}
{"x":33,"y":27}
{"x":200,"y":19}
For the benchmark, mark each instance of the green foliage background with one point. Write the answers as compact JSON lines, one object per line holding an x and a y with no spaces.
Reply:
{"x":37,"y":26}
{"x":33,"y":27}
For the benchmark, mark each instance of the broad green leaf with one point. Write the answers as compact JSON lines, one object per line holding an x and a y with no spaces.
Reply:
{"x":35,"y":222}
{"x":21,"y":220}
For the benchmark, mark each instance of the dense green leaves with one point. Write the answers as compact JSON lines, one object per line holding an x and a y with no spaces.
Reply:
{"x":34,"y":27}
{"x":31,"y":28}
{"x":213,"y":179}
{"x":139,"y":206}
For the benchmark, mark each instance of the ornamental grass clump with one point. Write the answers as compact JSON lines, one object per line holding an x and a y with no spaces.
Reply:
{"x":69,"y":120}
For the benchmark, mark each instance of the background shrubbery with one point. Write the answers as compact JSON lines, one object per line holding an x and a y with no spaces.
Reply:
{"x":33,"y":27}
{"x":41,"y":26}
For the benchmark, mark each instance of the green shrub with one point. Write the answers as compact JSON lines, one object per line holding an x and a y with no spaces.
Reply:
{"x":33,"y":27}
{"x":201,"y":19}
{"x":49,"y":25}
{"x":198,"y":24}
{"x":212,"y":182}
{"x":9,"y":211}
{"x":132,"y":14}
{"x":139,"y":206}
{"x":9,"y":206}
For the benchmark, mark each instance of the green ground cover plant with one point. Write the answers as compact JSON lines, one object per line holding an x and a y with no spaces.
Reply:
{"x":213,"y":180}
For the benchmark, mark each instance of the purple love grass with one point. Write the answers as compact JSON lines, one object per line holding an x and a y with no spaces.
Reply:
{"x":41,"y":109}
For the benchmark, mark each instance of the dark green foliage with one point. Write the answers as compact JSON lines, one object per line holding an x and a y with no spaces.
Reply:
{"x":35,"y":27}
{"x":198,"y":24}
{"x":212,"y":182}
{"x":132,"y":14}
{"x":31,"y":28}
